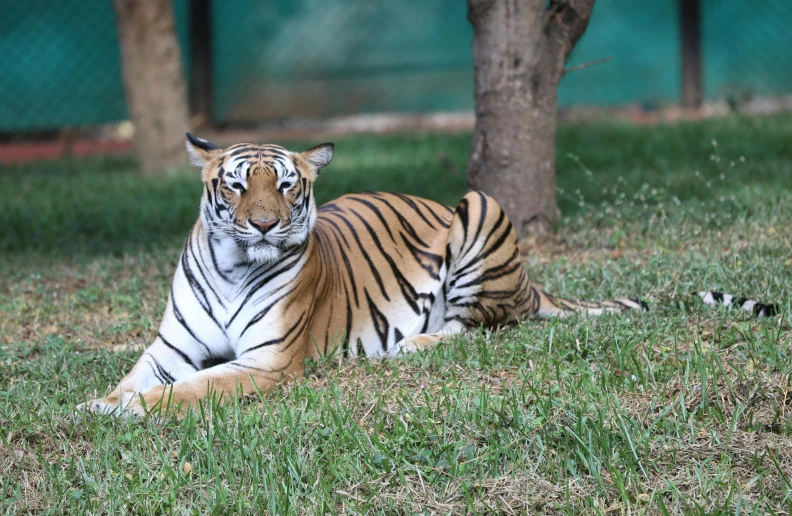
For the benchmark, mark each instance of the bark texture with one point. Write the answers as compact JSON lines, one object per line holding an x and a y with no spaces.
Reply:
{"x":519,"y":51}
{"x":156,"y":92}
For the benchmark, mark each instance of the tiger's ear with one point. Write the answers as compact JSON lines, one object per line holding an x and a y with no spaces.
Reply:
{"x":319,"y":157}
{"x":201,"y":151}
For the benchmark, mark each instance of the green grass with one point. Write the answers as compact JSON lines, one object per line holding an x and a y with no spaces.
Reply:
{"x":682,"y":410}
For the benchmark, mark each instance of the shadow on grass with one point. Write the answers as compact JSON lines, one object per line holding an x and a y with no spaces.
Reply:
{"x":101,"y":206}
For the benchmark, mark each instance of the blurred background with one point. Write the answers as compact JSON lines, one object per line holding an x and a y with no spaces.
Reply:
{"x":266,"y":62}
{"x":300,"y":71}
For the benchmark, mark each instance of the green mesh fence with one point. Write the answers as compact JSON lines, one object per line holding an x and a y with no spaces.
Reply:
{"x":304,"y":58}
{"x":641,"y":41}
{"x":60,"y":63}
{"x":277,"y":59}
{"x":747,"y":47}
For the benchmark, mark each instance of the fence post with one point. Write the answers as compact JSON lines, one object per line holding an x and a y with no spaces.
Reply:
{"x":201,"y":88}
{"x":690,"y":30}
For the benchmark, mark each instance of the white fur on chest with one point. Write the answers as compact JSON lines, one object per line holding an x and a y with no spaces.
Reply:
{"x":227,"y":307}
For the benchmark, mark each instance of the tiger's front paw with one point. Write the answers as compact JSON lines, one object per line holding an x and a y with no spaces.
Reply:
{"x":97,"y":407}
{"x":403,"y":347}
{"x":135,"y":410}
{"x":412,"y":344}
{"x":160,"y":402}
{"x":116,"y":403}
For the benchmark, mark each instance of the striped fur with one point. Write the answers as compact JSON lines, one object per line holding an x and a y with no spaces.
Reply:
{"x":266,"y":279}
{"x":758,"y":309}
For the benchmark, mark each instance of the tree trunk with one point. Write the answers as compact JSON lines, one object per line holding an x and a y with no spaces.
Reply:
{"x":156,"y":92}
{"x":519,"y":51}
{"x":690,"y":30}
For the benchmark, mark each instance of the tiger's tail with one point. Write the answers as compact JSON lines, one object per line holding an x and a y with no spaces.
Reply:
{"x":552,"y":306}
{"x":712,"y":298}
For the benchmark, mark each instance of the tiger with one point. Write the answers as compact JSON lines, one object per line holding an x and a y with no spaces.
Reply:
{"x":267,"y":280}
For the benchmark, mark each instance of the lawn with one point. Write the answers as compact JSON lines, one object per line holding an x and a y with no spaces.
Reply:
{"x":681,"y":410}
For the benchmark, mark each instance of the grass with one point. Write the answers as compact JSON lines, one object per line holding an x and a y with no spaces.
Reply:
{"x":682,"y":410}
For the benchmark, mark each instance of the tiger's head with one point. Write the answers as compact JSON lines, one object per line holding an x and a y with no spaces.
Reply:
{"x":261,"y":196}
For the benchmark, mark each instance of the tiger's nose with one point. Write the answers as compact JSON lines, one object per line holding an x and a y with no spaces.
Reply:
{"x":264,"y":225}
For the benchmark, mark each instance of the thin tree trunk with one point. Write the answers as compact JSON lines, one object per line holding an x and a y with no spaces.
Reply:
{"x":690,"y":30}
{"x":519,"y":51}
{"x":154,"y":84}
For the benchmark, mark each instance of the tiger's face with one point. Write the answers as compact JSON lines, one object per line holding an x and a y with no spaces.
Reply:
{"x":260,"y":196}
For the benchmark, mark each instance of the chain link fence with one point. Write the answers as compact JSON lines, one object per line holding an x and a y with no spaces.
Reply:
{"x":278,"y":59}
{"x":310,"y":58}
{"x":747,"y":48}
{"x":60,"y":64}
